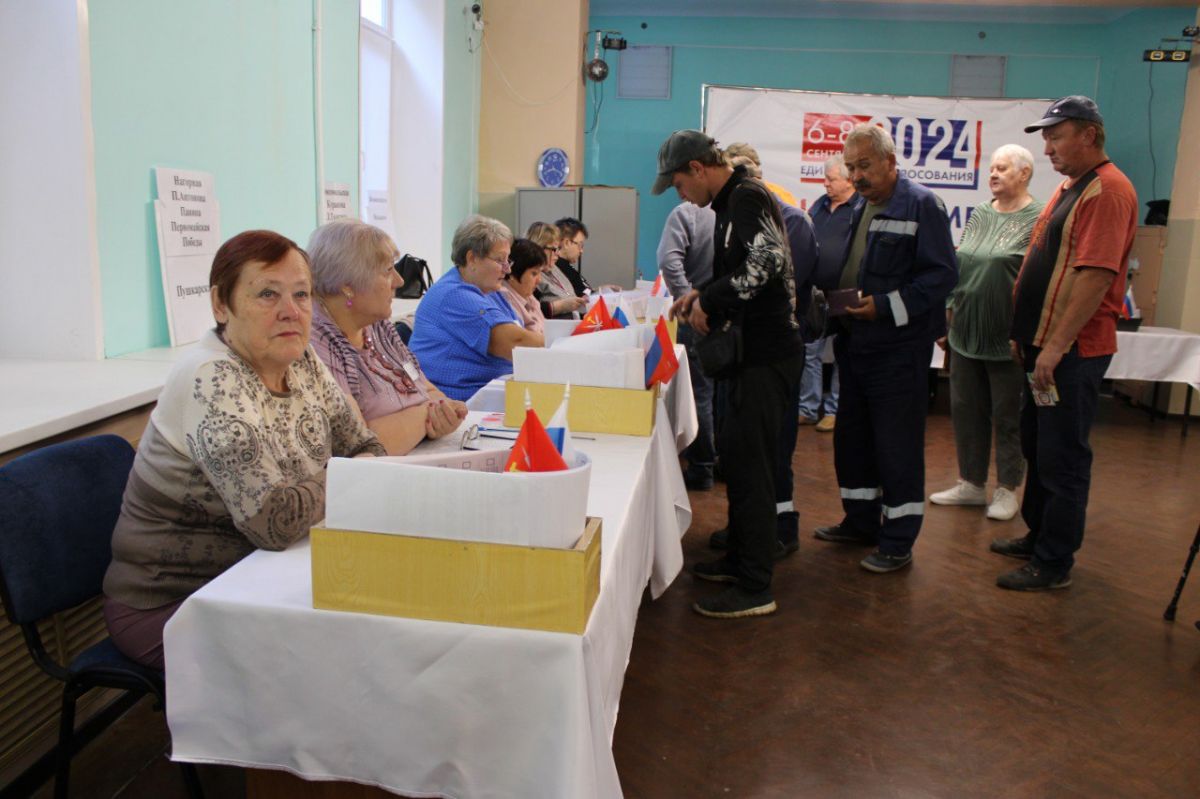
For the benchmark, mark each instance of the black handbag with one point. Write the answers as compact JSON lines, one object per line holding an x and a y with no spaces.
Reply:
{"x":416,"y":275}
{"x":720,"y":352}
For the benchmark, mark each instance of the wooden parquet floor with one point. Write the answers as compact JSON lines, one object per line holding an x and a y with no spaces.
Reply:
{"x":930,"y":682}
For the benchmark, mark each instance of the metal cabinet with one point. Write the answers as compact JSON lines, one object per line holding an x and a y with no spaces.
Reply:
{"x":610,"y":214}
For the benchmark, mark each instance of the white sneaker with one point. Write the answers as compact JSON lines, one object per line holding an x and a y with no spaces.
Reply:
{"x":1004,"y":505}
{"x":962,"y":494}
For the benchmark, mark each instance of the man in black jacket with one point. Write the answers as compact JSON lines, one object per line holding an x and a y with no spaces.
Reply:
{"x":753,"y":285}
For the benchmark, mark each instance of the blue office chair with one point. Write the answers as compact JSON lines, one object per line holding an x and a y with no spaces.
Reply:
{"x":58,"y":507}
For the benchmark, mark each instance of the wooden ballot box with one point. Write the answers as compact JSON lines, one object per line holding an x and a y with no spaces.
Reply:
{"x":500,"y":585}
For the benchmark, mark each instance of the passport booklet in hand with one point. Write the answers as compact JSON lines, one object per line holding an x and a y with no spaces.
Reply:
{"x":841,"y":299}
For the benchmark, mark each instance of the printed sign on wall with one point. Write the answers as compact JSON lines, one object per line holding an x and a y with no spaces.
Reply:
{"x":188,"y":217}
{"x":943,"y":143}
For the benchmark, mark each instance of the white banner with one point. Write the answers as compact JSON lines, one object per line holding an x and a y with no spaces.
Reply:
{"x":943,"y":143}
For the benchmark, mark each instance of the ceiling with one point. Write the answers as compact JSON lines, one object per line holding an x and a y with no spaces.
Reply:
{"x":1019,"y":11}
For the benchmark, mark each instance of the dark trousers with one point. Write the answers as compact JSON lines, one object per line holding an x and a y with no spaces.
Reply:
{"x":749,"y":443}
{"x":702,"y":452}
{"x":1055,"y":442}
{"x":879,"y":442}
{"x":787,"y":520}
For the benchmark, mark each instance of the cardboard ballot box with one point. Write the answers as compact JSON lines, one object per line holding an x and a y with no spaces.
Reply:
{"x":472,"y":582}
{"x":450,"y":536}
{"x":591,"y":409}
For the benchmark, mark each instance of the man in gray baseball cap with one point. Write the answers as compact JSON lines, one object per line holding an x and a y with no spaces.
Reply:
{"x":753,"y":287}
{"x":680,"y":148}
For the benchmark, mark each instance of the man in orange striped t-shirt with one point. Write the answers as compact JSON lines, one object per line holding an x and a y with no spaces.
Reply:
{"x":1066,"y":302}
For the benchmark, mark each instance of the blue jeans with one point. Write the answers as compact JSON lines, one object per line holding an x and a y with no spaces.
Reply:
{"x":812,"y":383}
{"x":1055,"y":442}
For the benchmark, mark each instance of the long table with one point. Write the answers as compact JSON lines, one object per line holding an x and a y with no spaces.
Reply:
{"x":256,"y":677}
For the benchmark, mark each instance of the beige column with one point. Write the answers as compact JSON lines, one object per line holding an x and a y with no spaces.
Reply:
{"x":1179,"y":287}
{"x":532,"y":95}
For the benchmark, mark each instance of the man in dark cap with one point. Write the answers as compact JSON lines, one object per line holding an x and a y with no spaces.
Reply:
{"x":1066,"y":302}
{"x":752,"y":285}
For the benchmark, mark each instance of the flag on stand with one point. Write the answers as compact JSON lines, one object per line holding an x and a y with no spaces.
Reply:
{"x":659,"y":289}
{"x":558,"y":431}
{"x":597,"y":318}
{"x":661,"y":363}
{"x":620,"y":318}
{"x":533,"y":450}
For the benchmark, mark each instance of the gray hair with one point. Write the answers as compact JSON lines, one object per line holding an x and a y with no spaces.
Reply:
{"x":1018,"y":155}
{"x":839,"y":163}
{"x":876,"y":137}
{"x":347,"y":252}
{"x":477,"y":234}
{"x":752,"y":168}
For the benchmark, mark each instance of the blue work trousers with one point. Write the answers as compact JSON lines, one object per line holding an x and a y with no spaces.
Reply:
{"x":879,"y":442}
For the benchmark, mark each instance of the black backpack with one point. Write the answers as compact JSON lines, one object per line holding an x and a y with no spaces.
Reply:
{"x":416,"y":275}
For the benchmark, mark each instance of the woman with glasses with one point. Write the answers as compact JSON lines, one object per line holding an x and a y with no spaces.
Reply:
{"x":465,"y":331}
{"x":528,"y":262}
{"x":354,"y":282}
{"x":554,"y":292}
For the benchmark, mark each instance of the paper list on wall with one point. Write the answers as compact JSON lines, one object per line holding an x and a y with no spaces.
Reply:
{"x":337,"y":201}
{"x":379,"y":212}
{"x":188,"y":218}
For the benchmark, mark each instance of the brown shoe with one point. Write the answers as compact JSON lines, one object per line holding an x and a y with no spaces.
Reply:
{"x":826,"y":424}
{"x":805,"y":421}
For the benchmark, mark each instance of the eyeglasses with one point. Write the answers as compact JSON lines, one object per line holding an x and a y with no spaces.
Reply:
{"x":550,"y":249}
{"x":505,"y":262}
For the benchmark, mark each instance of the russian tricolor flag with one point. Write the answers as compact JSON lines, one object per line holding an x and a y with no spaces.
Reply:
{"x":661,"y":363}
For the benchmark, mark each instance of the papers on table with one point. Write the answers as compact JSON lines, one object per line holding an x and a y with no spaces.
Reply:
{"x":188,"y":218}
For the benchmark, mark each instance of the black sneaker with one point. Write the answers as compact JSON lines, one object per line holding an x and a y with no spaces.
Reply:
{"x":1033,"y":578}
{"x":716,"y":571}
{"x":882,"y":563}
{"x":735,"y":603}
{"x":785,"y":548}
{"x":1021,"y":548}
{"x":719,"y":539}
{"x":840,"y":535}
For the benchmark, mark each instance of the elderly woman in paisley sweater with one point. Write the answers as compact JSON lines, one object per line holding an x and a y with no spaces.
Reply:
{"x":235,"y":452}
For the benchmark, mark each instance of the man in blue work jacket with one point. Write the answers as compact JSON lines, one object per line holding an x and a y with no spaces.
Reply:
{"x":901,"y":260}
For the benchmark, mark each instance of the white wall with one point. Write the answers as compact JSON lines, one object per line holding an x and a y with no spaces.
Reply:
{"x":418,"y":122}
{"x":49,"y":262}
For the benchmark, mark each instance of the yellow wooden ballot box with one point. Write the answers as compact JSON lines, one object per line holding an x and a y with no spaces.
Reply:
{"x":500,"y":585}
{"x":591,"y":409}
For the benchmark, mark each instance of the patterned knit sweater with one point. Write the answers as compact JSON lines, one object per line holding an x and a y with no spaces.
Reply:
{"x":226,"y":466}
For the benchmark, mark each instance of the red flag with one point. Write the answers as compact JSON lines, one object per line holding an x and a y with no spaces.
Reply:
{"x":661,"y":363}
{"x":533,"y":450}
{"x":597,"y":318}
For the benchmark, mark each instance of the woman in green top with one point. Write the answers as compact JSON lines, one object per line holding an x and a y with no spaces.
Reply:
{"x":985,"y":382}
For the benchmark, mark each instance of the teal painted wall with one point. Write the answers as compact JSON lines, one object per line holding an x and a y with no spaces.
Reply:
{"x":224,"y":87}
{"x":460,"y":176}
{"x":883,"y":57}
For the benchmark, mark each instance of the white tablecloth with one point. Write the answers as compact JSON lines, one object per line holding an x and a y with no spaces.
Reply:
{"x":257,"y":677}
{"x":1159,"y":354}
{"x":680,"y":402}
